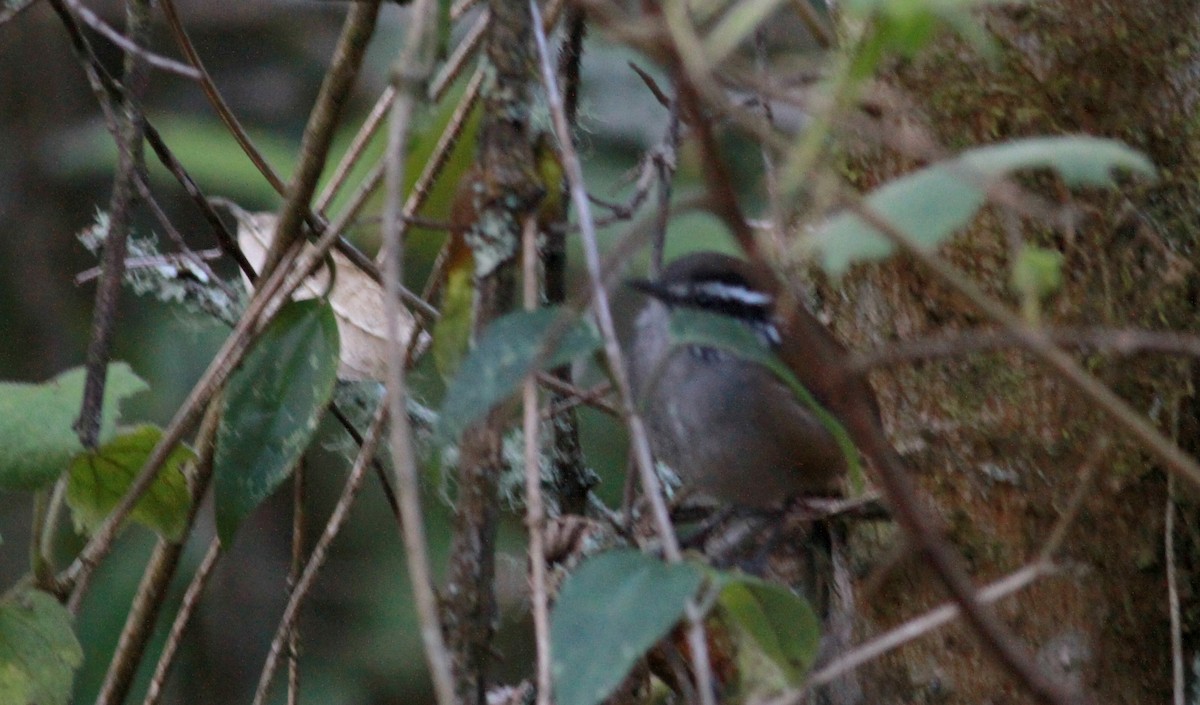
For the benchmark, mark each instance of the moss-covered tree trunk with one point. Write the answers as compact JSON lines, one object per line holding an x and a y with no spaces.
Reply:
{"x":998,"y":440}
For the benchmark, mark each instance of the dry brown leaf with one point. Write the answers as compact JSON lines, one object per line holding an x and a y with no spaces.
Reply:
{"x":357,"y":302}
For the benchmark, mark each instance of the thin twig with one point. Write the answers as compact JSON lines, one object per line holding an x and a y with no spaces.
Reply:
{"x":49,"y":531}
{"x":341,"y":511}
{"x":191,"y":599}
{"x":460,"y":7}
{"x":140,"y":622}
{"x":913,"y":629}
{"x":666,"y":532}
{"x":1038,"y":342}
{"x":131,"y":46}
{"x":323,"y":120}
{"x":354,"y":152}
{"x":1177,"y":673}
{"x":108,"y":291}
{"x":572,"y":396}
{"x":1119,"y":341}
{"x":863,"y":425}
{"x":294,"y":569}
{"x":11,"y":9}
{"x":198,"y":259}
{"x":437,"y":161}
{"x":43,"y":569}
{"x":409,"y":72}
{"x":454,"y":64}
{"x":132,"y":263}
{"x":816,"y":25}
{"x":156,"y":578}
{"x":389,"y":494}
{"x":216,"y":99}
{"x":1087,"y":474}
{"x":534,"y":510}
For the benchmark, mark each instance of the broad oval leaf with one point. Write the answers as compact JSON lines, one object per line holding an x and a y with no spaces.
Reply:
{"x":37,"y":441}
{"x":930,"y":204}
{"x":772,"y":621}
{"x":612,"y":609}
{"x":271,"y":407}
{"x":507,"y":350}
{"x":38,"y":650}
{"x":99,"y":479}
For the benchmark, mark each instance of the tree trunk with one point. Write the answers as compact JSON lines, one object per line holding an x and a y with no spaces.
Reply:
{"x":998,"y":441}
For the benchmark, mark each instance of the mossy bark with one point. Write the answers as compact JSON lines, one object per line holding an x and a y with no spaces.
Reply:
{"x":997,"y":440}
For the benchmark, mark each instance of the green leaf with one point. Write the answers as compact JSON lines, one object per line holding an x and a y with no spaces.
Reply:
{"x":271,"y":407}
{"x":37,"y":440}
{"x":1036,"y":273}
{"x":930,"y":204}
{"x":774,"y":622}
{"x":613,"y":608}
{"x":905,"y":26}
{"x":99,"y":479}
{"x":508,"y":349}
{"x":38,"y":651}
{"x":696,"y":327}
{"x":452,"y":334}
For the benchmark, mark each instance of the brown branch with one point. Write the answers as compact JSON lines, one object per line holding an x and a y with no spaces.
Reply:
{"x":457,"y":60}
{"x":1087,"y":475}
{"x":358,"y":145}
{"x":294,"y":569}
{"x":156,"y":579}
{"x":1038,"y":342}
{"x":318,"y":134}
{"x":1178,"y":675}
{"x":568,"y":396}
{"x":409,"y":72}
{"x":864,"y":429}
{"x":341,"y":511}
{"x":507,"y":189}
{"x":191,"y":598}
{"x":432,"y":170}
{"x":224,"y":113}
{"x":1120,"y":341}
{"x":535,"y":513}
{"x":912,"y":629}
{"x":131,"y":45}
{"x":640,"y":443}
{"x":108,"y":291}
{"x":850,"y":400}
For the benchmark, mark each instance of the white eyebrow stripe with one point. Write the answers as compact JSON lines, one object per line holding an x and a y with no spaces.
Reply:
{"x":734,"y":292}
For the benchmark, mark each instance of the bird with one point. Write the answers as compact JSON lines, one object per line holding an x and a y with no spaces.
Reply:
{"x":730,"y":428}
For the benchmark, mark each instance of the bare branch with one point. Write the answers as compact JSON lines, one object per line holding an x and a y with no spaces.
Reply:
{"x":129,"y":162}
{"x":913,"y":629}
{"x":535,"y":515}
{"x":131,"y":46}
{"x":191,"y":599}
{"x":409,"y":72}
{"x":316,"y":561}
{"x":666,"y":532}
{"x":318,"y":133}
